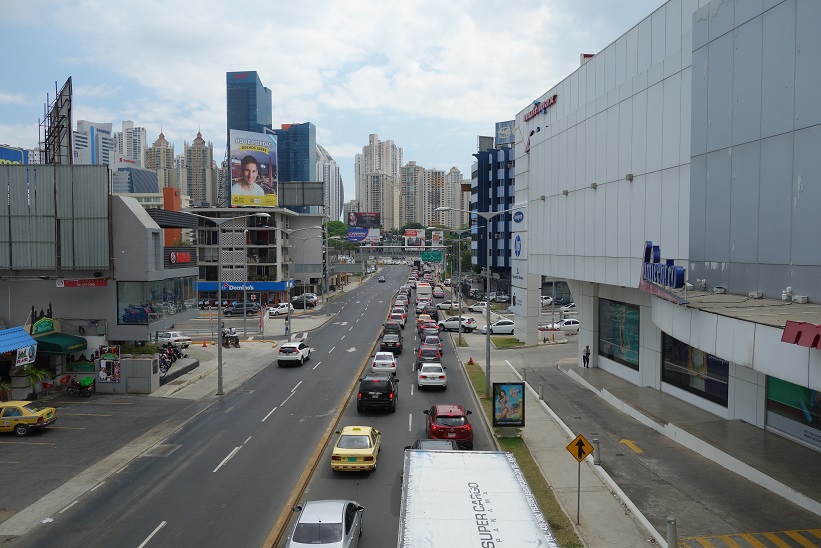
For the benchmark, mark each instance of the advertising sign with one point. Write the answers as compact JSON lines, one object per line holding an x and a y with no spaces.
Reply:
{"x":504,"y":132}
{"x":365,"y":219}
{"x":508,"y":404}
{"x":437,"y":237}
{"x":414,"y":237}
{"x":12,"y":155}
{"x":87,"y":282}
{"x":26,"y":355}
{"x":253,"y":161}
{"x":108,"y":370}
{"x":370,"y":235}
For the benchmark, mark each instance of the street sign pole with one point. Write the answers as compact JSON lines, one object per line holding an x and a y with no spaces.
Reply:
{"x":579,"y":448}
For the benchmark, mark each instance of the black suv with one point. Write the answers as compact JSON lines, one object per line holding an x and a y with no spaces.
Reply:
{"x":302,"y":302}
{"x":377,"y":390}
{"x":392,"y":327}
{"x":432,"y":311}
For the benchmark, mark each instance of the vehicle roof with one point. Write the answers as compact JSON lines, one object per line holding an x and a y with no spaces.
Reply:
{"x":356,"y":430}
{"x":384,"y":356}
{"x":390,"y":336}
{"x":429,"y":364}
{"x":449,"y":409}
{"x":289,"y":344}
{"x":324,"y":511}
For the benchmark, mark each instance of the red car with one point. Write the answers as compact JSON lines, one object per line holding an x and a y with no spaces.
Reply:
{"x":450,"y":422}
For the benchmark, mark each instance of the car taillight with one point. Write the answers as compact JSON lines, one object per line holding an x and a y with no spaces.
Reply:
{"x":368,"y":459}
{"x":433,"y":428}
{"x":334,"y":457}
{"x":374,"y":364}
{"x":390,"y":396}
{"x":39,"y":420}
{"x":423,"y":376}
{"x":393,"y":365}
{"x":467,"y":427}
{"x":359,"y":396}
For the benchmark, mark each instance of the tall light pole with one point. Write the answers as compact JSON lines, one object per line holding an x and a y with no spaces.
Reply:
{"x":219,"y":221}
{"x":459,"y":266}
{"x":288,"y":232}
{"x":487,"y":216}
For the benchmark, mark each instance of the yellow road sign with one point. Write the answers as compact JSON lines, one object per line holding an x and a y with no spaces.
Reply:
{"x":579,"y":448}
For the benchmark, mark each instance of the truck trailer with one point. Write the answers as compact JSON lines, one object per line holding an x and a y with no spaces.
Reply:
{"x":468,"y":498}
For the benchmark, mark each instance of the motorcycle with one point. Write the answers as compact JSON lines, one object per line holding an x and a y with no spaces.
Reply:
{"x":165,"y":365}
{"x":83,"y":386}
{"x":230,"y":340}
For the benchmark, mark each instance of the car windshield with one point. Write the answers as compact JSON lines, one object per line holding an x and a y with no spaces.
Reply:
{"x":381,"y":385}
{"x":451,"y":421}
{"x":317,"y":533}
{"x":429,"y":353}
{"x":432,"y":340}
{"x":354,"y":442}
{"x":390,"y":338}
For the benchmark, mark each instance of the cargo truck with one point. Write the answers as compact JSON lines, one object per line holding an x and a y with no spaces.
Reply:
{"x":468,"y":498}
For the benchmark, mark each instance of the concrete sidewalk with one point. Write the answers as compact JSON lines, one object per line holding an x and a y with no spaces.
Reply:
{"x":608,"y":518}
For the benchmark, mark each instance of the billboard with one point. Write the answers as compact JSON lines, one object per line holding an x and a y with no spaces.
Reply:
{"x":504,"y":132}
{"x":508,"y":404}
{"x":253,"y":164}
{"x":437,"y":238}
{"x":414,"y":237}
{"x":12,"y":155}
{"x":365,"y":219}
{"x":360,"y":234}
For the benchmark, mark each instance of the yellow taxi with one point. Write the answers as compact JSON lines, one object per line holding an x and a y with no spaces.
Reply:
{"x":423,"y":318}
{"x":21,"y":417}
{"x":356,"y":449}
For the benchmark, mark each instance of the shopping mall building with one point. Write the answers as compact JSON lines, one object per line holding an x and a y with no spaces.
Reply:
{"x":674,"y":180}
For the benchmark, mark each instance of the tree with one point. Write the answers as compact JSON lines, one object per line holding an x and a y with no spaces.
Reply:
{"x":417,"y":226}
{"x":337,"y":228}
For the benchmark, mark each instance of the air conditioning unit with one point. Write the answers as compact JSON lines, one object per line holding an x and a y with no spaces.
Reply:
{"x":755,"y":295}
{"x":719,"y":289}
{"x":799,"y":299}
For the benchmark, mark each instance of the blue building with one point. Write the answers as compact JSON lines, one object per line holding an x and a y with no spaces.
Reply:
{"x":296,"y":152}
{"x":493,"y":189}
{"x":250,"y":104}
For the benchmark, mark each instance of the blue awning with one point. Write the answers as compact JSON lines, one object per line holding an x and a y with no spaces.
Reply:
{"x":14,"y":338}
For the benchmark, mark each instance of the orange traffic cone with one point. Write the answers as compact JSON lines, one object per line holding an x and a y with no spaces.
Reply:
{"x":204,"y":344}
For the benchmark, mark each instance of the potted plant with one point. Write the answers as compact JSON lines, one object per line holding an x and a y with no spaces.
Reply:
{"x":5,"y":390}
{"x":33,"y":375}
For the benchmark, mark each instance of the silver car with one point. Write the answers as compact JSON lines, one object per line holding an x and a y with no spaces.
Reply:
{"x":329,"y":523}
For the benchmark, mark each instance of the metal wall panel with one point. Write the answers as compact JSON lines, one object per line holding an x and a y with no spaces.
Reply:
{"x":83,"y":212}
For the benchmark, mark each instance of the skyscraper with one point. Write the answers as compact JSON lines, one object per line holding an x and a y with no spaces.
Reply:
{"x":431,"y":196}
{"x":92,"y":143}
{"x":411,"y":181}
{"x":249,"y":102}
{"x":160,"y":159}
{"x":378,"y":157}
{"x":296,"y":152}
{"x":131,"y":142}
{"x":327,"y":171}
{"x":200,"y":180}
{"x":455,"y":198}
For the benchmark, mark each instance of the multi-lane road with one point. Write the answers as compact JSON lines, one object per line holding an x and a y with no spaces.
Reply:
{"x":227,"y":475}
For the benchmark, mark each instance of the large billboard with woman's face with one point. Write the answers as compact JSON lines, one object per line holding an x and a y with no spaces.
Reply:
{"x":253,"y":165}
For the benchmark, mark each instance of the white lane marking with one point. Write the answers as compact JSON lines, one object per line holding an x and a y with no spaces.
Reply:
{"x":246,"y":441}
{"x":96,"y":486}
{"x":121,"y":469}
{"x":342,"y":337}
{"x":69,"y":506}
{"x":411,"y":389}
{"x":286,"y":399}
{"x":317,"y":365}
{"x":297,"y":386}
{"x":410,"y":422}
{"x":357,"y":320}
{"x":154,"y":532}
{"x":269,"y":414}
{"x":226,"y":459}
{"x":331,"y":350}
{"x":351,"y":327}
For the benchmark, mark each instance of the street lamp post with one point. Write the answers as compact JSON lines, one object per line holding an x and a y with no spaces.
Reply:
{"x":219,"y":221}
{"x":289,"y":283}
{"x":487,"y":216}
{"x":459,"y":277}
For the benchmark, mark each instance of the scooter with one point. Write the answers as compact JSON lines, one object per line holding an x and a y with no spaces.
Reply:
{"x":230,"y":340}
{"x":83,"y":386}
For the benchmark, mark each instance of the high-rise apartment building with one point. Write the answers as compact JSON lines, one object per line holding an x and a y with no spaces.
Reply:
{"x":410,"y":183}
{"x":377,"y":157}
{"x":250,"y":104}
{"x":455,"y":198}
{"x":382,"y":196}
{"x":159,"y":158}
{"x":179,"y":165}
{"x":431,"y":196}
{"x":92,"y":143}
{"x":131,"y":142}
{"x":296,"y":152}
{"x":327,"y":171}
{"x":201,"y":176}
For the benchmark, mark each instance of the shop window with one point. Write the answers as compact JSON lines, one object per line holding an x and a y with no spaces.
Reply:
{"x":794,"y":410}
{"x":619,"y":332}
{"x":694,"y":370}
{"x":145,"y":302}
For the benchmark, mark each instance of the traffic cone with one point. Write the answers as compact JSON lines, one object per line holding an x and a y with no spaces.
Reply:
{"x":470,"y":361}
{"x":204,"y":344}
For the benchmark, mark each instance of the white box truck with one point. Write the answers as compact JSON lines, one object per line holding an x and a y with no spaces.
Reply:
{"x":469,"y":498}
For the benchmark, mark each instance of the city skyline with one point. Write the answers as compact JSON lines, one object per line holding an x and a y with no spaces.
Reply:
{"x":361,"y":74}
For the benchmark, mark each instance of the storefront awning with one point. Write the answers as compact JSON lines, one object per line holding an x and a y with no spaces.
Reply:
{"x":14,"y":338}
{"x":60,"y":344}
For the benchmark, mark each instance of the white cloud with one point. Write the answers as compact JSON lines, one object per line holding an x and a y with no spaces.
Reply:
{"x":13,"y":98}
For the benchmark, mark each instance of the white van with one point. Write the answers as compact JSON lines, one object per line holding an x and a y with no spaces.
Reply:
{"x":424,"y":291}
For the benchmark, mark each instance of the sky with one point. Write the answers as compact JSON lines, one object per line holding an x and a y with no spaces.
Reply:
{"x":429,"y":75}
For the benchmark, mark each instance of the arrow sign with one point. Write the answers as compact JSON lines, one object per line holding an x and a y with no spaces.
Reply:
{"x":351,"y":349}
{"x":340,"y":323}
{"x":579,"y":448}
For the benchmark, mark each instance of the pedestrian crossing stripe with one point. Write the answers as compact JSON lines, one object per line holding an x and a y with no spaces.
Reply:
{"x":801,"y":538}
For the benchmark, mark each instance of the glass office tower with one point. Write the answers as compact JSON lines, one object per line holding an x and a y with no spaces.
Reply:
{"x":250,"y":104}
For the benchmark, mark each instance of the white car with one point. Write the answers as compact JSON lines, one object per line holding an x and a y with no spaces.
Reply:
{"x":568,"y":308}
{"x":281,"y":308}
{"x":293,"y":352}
{"x":547,"y":300}
{"x":481,"y":306}
{"x":177,"y":338}
{"x":447,"y":305}
{"x":384,"y":362}
{"x":432,"y":374}
{"x":502,"y":298}
{"x":452,"y":324}
{"x":569,"y":325}
{"x":500,"y":327}
{"x":337,"y":522}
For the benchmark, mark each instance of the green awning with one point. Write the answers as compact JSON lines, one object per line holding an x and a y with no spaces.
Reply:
{"x":60,"y":344}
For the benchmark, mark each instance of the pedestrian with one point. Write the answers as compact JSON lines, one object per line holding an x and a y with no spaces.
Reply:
{"x":586,"y":356}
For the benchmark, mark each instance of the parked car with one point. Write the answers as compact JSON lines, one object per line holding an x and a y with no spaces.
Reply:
{"x":177,"y":338}
{"x":391,"y":343}
{"x":501,"y":327}
{"x":569,"y":325}
{"x":481,"y":306}
{"x":502,"y":298}
{"x":21,"y":417}
{"x":546,"y":300}
{"x":356,"y":449}
{"x":242,"y":309}
{"x":449,"y":422}
{"x":313,"y":297}
{"x":569,"y":307}
{"x":432,"y":374}
{"x":337,"y":522}
{"x":293,"y":353}
{"x":281,"y":308}
{"x":452,"y":324}
{"x":377,"y":390}
{"x":303,"y":302}
{"x":384,"y":362}
{"x":428,"y":354}
{"x":447,"y":305}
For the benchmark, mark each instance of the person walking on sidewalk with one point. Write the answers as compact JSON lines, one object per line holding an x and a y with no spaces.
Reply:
{"x":586,"y":356}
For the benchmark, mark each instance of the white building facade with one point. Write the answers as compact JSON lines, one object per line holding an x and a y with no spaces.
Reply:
{"x":698,"y":131}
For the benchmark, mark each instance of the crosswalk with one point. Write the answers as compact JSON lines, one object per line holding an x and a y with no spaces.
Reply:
{"x":805,"y":538}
